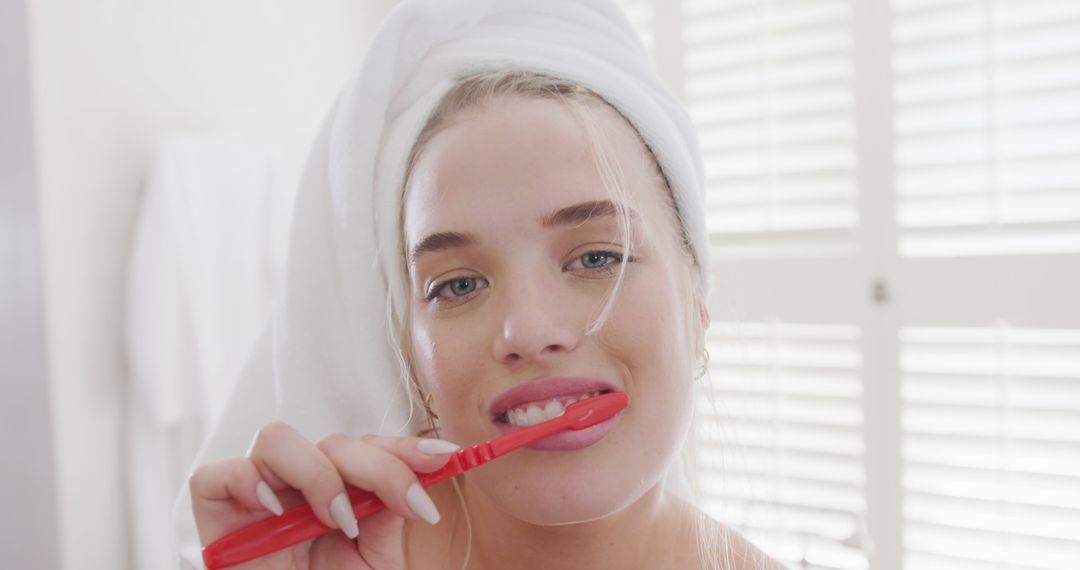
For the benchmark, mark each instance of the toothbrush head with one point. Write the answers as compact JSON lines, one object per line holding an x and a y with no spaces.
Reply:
{"x":594,"y":410}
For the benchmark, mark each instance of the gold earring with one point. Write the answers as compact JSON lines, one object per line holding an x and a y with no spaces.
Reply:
{"x":427,"y":399}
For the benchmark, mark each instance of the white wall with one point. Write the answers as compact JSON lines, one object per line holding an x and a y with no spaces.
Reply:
{"x":108,"y":78}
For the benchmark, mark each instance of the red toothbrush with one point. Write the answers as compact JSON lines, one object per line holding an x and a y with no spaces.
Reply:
{"x":299,"y":524}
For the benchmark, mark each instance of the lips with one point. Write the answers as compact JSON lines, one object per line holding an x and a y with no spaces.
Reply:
{"x":545,"y":389}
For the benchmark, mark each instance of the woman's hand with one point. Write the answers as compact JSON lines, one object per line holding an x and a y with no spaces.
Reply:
{"x":282,"y":470}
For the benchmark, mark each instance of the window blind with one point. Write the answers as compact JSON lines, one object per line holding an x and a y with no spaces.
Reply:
{"x":938,"y":337}
{"x":987,"y":160}
{"x":991,"y":447}
{"x":769,"y":86}
{"x":779,"y":440}
{"x":987,"y":125}
{"x":778,"y":434}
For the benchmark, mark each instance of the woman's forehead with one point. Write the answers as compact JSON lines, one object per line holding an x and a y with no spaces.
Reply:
{"x":516,"y":162}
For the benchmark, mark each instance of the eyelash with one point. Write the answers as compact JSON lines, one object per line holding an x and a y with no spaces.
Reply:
{"x":606,"y":269}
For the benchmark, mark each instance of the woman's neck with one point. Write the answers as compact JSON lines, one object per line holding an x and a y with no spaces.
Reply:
{"x":646,"y":534}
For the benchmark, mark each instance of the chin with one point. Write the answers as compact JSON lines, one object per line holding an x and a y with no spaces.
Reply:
{"x":570,"y":494}
{"x":566,"y":506}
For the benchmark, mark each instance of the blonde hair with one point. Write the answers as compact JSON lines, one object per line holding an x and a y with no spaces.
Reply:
{"x":471,"y":96}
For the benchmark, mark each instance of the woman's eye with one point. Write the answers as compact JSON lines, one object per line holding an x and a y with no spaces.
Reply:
{"x":595,"y":260}
{"x":461,"y":287}
{"x":453,"y":289}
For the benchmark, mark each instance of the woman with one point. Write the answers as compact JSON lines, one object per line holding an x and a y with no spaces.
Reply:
{"x":540,"y":254}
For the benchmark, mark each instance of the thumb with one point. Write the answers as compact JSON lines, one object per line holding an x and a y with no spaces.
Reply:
{"x":381,"y":542}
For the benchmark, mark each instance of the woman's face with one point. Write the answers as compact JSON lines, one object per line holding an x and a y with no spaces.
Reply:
{"x":506,"y":276}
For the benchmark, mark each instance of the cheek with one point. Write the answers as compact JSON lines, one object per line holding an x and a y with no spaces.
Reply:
{"x":440,"y":350}
{"x":651,"y":317}
{"x":648,"y":333}
{"x":446,"y":365}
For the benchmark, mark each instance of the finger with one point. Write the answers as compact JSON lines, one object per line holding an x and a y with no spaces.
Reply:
{"x":380,"y":542}
{"x":422,"y":455}
{"x":229,"y":480}
{"x":279,"y":451}
{"x":372,"y":468}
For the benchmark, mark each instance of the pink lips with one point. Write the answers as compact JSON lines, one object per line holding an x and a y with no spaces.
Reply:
{"x":549,"y":388}
{"x":544,"y":390}
{"x":567,"y":440}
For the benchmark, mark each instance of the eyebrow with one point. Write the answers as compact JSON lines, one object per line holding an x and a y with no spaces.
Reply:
{"x":569,"y":216}
{"x":438,"y":242}
{"x":583,"y":212}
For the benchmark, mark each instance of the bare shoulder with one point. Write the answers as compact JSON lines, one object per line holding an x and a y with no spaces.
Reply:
{"x":733,"y":551}
{"x":746,"y":555}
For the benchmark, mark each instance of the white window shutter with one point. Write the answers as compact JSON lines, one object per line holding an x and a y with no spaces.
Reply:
{"x":987,"y":126}
{"x":770,"y":86}
{"x":894,"y":201}
{"x":780,"y":440}
{"x":991,"y":447}
{"x":779,"y":431}
{"x":987,"y":163}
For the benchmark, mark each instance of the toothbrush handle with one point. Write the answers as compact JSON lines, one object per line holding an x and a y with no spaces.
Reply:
{"x":299,"y":524}
{"x":296,"y":525}
{"x":460,"y":462}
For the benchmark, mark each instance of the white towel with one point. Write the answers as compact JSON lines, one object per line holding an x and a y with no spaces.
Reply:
{"x":206,"y":254}
{"x":325,"y":364}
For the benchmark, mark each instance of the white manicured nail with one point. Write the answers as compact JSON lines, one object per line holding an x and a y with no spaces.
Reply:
{"x":343,"y":515}
{"x":421,"y":504}
{"x":268,"y":498}
{"x":436,"y":446}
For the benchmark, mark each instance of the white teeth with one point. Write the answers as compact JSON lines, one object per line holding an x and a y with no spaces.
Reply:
{"x":534,"y":414}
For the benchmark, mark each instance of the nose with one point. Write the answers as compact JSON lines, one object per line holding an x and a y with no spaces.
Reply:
{"x":537,"y":322}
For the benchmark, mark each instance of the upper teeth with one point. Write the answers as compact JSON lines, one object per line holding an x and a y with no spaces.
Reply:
{"x":533,"y":414}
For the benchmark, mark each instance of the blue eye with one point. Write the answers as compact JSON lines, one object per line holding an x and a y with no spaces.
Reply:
{"x":458,"y":287}
{"x":599,"y":261}
{"x":462,"y":286}
{"x":596,"y":259}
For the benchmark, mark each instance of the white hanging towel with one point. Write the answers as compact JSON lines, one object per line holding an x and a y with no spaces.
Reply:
{"x":207,"y":253}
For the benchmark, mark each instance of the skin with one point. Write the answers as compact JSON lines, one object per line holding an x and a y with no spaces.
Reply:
{"x":519,"y":309}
